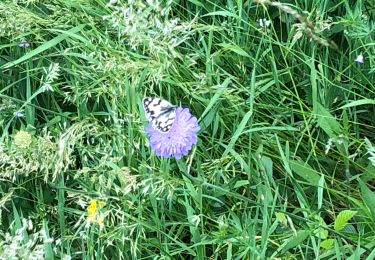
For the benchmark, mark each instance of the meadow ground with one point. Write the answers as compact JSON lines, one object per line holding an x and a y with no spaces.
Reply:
{"x":284,"y":163}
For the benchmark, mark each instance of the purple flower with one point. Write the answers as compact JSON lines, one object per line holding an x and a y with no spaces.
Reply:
{"x":23,"y":44}
{"x":179,"y":139}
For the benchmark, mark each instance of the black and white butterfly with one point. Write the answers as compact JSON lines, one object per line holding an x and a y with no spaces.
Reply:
{"x":160,"y":113}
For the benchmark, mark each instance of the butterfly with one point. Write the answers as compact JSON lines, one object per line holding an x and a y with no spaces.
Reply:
{"x":160,"y":113}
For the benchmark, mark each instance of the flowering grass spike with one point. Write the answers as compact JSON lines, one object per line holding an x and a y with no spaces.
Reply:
{"x":179,"y":139}
{"x":23,"y":139}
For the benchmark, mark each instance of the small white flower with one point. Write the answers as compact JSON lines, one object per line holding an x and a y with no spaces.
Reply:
{"x":19,"y":114}
{"x":67,"y":257}
{"x":29,"y":225}
{"x":264,"y":23}
{"x":341,"y":139}
{"x":24,"y":44}
{"x":328,"y":145}
{"x":195,"y":220}
{"x":359,"y":59}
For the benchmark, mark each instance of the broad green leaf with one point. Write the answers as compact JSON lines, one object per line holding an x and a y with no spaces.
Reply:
{"x":364,"y":101}
{"x":196,"y":2}
{"x":327,"y":122}
{"x":368,"y":197}
{"x":342,"y":219}
{"x":268,"y":167}
{"x":306,"y":172}
{"x":321,"y":233}
{"x":235,"y":48}
{"x":241,"y":183}
{"x":296,"y":240}
{"x":281,"y":218}
{"x":349,"y":228}
{"x":368,"y":173}
{"x":320,"y":226}
{"x":327,"y":244}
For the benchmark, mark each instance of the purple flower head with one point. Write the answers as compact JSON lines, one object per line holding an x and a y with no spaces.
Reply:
{"x":23,"y":44}
{"x":178,"y":141}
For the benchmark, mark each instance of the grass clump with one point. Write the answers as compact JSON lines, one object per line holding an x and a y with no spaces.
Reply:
{"x":284,"y":94}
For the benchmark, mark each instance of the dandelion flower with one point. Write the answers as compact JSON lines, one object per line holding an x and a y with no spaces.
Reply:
{"x":359,"y":59}
{"x":178,"y":141}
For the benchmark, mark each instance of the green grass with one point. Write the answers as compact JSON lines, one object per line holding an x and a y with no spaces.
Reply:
{"x":284,"y":167}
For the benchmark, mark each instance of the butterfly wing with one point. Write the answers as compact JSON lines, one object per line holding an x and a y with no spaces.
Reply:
{"x":160,"y":113}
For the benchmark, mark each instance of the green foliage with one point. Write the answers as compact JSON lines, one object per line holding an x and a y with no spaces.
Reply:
{"x":342,"y":219}
{"x":285,"y":161}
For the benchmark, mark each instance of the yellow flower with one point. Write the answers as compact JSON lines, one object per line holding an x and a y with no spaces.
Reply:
{"x":93,"y":212}
{"x":23,"y":139}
